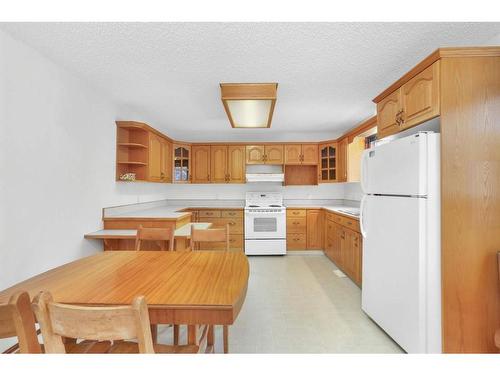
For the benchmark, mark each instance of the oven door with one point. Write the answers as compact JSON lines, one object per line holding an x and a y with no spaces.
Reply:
{"x":263,"y":225}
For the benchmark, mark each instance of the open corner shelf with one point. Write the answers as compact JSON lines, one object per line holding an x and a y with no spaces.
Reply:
{"x":132,"y":163}
{"x":133,"y":145}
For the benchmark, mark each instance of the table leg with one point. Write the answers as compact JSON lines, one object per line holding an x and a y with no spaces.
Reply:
{"x":154,"y":333}
{"x":225,"y":331}
{"x":192,"y":335}
{"x":176,"y":334}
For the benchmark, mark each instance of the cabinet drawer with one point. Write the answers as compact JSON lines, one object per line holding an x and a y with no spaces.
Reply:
{"x":235,"y":225}
{"x":335,"y":218}
{"x":208,"y":213}
{"x":296,"y":213}
{"x":236,"y":241}
{"x":350,"y":223}
{"x":296,"y":241}
{"x":296,"y":225}
{"x":235,"y":213}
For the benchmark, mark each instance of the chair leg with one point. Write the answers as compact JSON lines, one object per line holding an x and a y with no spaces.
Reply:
{"x":176,"y":334}
{"x":225,"y":331}
{"x":154,"y":333}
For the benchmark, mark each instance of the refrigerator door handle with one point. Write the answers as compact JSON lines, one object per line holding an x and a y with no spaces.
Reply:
{"x":363,"y":171}
{"x":361,"y":215}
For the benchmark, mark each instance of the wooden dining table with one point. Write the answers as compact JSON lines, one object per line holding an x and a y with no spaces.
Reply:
{"x":184,"y":287}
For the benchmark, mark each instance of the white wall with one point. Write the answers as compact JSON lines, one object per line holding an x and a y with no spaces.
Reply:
{"x":56,"y":164}
{"x":352,"y":191}
{"x":237,"y":191}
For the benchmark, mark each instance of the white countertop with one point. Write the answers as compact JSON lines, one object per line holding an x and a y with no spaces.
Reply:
{"x":165,"y":211}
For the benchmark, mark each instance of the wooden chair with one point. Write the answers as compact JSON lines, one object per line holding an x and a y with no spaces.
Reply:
{"x":17,"y":319}
{"x":209,"y":235}
{"x":212,"y":235}
{"x":159,"y":235}
{"x":108,"y":326}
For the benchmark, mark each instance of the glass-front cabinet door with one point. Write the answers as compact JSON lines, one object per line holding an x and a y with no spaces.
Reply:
{"x":182,"y":163}
{"x":328,"y":162}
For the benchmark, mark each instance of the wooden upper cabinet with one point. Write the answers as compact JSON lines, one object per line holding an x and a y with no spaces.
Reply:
{"x":293,"y":154}
{"x":236,"y":164}
{"x":328,"y":162}
{"x":388,"y":110}
{"x":218,"y":164}
{"x":166,"y":158}
{"x":274,"y":154}
{"x":306,"y":154}
{"x":155,"y":163}
{"x":255,"y":154}
{"x":160,"y":159}
{"x":414,"y":102}
{"x":310,"y":154}
{"x":420,"y":97}
{"x":342,"y":160}
{"x":200,"y":163}
{"x":181,"y":164}
{"x":264,"y":154}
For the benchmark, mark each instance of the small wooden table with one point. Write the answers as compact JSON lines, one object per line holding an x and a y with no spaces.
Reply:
{"x":185,"y":287}
{"x":112,"y":237}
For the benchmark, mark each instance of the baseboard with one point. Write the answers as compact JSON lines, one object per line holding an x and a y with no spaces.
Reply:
{"x":304,"y":252}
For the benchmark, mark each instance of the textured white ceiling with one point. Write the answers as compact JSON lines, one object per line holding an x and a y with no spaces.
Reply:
{"x":327,"y":72}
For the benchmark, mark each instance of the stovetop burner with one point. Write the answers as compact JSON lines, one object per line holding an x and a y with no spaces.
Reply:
{"x":253,"y":205}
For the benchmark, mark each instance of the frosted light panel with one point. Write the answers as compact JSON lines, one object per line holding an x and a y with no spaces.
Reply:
{"x":249,"y":113}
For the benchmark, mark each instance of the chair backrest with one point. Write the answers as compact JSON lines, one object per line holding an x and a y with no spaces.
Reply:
{"x":17,"y":319}
{"x":59,"y":320}
{"x":209,"y":235}
{"x":159,"y":235}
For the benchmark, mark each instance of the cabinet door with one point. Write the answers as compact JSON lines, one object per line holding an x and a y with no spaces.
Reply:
{"x":337,"y":238}
{"x":342,"y":160}
{"x":420,"y":97}
{"x":218,"y":164}
{"x":255,"y":154}
{"x":328,"y":163}
{"x":155,"y":159}
{"x":274,"y":154}
{"x":236,"y":164}
{"x":387,"y":110}
{"x":328,"y":238}
{"x":293,"y":154}
{"x":201,"y":163}
{"x":356,"y":246}
{"x":166,"y":161}
{"x":310,"y":154}
{"x":314,"y":229}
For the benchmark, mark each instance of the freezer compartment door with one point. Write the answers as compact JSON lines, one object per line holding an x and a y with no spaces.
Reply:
{"x":398,"y":167}
{"x":393,"y":292}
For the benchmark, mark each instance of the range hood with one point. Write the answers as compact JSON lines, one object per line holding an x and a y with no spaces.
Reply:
{"x":265,"y":173}
{"x":265,"y":177}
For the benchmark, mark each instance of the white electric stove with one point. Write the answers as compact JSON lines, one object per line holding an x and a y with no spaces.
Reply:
{"x":265,"y":224}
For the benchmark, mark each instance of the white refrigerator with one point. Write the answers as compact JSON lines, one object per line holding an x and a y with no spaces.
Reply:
{"x":400,"y":224}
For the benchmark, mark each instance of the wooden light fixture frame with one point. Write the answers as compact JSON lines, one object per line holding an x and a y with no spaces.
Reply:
{"x":249,"y":91}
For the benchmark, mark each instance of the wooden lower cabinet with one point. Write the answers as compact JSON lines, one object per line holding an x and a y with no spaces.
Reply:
{"x":220,"y":218}
{"x":343,"y":245}
{"x":304,"y":229}
{"x":314,"y":232}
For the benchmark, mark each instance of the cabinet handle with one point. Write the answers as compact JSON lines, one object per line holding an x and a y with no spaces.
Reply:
{"x":232,"y":223}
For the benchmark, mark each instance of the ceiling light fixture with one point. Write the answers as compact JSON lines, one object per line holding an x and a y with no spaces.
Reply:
{"x":249,"y":105}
